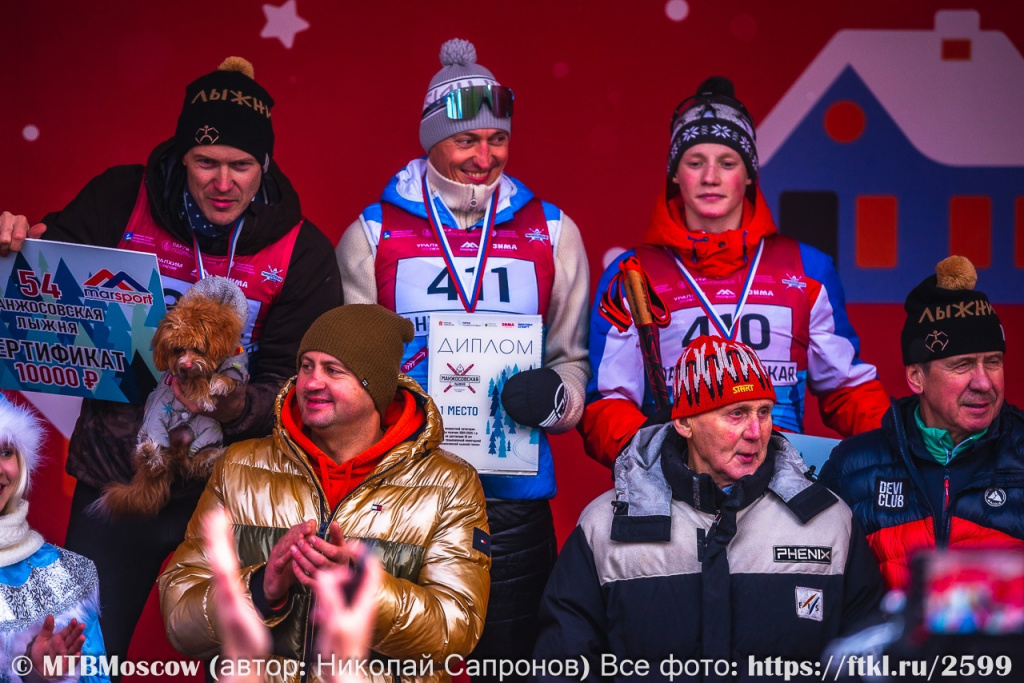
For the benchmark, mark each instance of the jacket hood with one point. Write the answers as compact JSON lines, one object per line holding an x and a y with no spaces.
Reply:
{"x":641,"y":490}
{"x":714,"y":255}
{"x":274,"y":211}
{"x":22,"y":429}
{"x":405,"y":190}
{"x":428,"y":439}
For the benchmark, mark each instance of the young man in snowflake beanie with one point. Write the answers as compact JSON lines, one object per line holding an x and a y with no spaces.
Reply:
{"x":711,"y":517}
{"x":49,"y":597}
{"x":715,"y":263}
{"x":945,"y":468}
{"x":210,"y":200}
{"x":533,"y":263}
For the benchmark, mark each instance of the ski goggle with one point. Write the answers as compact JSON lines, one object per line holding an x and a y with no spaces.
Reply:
{"x":465,"y":103}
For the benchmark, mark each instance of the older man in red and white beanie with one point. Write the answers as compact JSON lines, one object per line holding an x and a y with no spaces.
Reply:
{"x":712,"y":517}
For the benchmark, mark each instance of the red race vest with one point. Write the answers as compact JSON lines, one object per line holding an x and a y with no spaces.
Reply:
{"x":774,"y":322}
{"x":260,"y":275}
{"x":413,"y":281}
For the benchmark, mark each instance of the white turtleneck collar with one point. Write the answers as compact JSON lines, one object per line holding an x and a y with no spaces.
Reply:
{"x":17,"y":539}
{"x":467,"y":203}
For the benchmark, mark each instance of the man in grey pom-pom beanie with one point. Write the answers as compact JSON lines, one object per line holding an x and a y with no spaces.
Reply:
{"x":460,"y":70}
{"x":454,"y":234}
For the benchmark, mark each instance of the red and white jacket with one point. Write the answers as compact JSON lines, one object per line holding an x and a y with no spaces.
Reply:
{"x":794,"y":317}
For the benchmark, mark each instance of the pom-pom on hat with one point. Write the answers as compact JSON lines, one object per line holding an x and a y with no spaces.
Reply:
{"x":369,"y":339}
{"x":459,"y":69}
{"x":947,"y":317}
{"x":714,"y":372}
{"x":712,"y":114}
{"x":227,"y":107}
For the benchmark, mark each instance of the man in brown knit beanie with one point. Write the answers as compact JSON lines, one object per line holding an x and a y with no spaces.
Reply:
{"x":373,"y":359}
{"x":355,"y":455}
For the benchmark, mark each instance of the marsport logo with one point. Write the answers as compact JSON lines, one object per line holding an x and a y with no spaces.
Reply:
{"x":120,"y":288}
{"x":536,"y":235}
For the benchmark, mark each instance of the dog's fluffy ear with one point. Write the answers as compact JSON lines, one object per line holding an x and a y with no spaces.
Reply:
{"x":223,"y":330}
{"x":163,"y":348}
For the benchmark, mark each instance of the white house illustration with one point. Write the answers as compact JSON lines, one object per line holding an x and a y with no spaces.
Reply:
{"x":895,"y":149}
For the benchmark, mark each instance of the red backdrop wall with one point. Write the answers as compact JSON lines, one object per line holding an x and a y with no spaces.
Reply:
{"x":84,"y":86}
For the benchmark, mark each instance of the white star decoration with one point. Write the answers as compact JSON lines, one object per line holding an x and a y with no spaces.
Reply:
{"x":283,"y":23}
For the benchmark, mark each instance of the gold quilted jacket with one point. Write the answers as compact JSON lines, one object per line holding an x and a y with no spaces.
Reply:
{"x":418,"y":510}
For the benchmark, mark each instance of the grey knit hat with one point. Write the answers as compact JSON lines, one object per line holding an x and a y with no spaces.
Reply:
{"x":459,"y":70}
{"x":222,"y":290}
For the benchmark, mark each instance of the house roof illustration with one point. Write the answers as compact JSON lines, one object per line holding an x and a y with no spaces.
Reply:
{"x":956,"y":92}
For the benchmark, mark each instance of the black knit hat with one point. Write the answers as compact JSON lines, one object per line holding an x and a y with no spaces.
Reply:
{"x":947,"y":317}
{"x":712,"y":114}
{"x":369,"y":339}
{"x":227,"y":107}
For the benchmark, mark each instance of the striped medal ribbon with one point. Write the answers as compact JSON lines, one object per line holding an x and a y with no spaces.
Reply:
{"x":724,"y":331}
{"x":470,"y":299}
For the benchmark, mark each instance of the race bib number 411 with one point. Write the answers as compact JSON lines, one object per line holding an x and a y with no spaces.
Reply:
{"x":424,"y":284}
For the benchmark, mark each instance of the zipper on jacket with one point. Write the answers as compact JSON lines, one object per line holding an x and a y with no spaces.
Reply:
{"x":942,"y":539}
{"x":326,"y":517}
{"x":945,"y":500}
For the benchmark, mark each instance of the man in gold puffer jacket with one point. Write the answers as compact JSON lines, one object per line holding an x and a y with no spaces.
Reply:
{"x":354,"y":455}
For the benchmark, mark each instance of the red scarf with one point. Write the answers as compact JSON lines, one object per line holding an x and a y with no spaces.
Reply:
{"x":402,"y":419}
{"x":714,"y":255}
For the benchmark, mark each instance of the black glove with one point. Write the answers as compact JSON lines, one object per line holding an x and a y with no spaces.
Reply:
{"x":535,"y":398}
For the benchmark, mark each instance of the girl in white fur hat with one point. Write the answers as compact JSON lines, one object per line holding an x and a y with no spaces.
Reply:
{"x":49,"y":597}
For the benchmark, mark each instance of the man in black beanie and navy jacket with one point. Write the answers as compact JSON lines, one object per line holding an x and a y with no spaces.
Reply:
{"x":946,"y":469}
{"x":210,"y":200}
